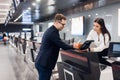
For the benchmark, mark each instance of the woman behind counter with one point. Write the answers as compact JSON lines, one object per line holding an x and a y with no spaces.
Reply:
{"x":101,"y":37}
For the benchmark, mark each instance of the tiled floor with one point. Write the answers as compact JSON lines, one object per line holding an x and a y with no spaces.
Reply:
{"x":6,"y":68}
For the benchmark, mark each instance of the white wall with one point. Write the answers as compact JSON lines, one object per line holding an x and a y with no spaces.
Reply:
{"x":109,"y":13}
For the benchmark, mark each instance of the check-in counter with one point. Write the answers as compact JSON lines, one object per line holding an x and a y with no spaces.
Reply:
{"x":26,"y":52}
{"x":35,"y":50}
{"x":32,"y":50}
{"x":116,"y":70}
{"x":78,"y":65}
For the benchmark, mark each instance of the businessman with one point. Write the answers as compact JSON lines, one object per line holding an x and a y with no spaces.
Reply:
{"x":50,"y":46}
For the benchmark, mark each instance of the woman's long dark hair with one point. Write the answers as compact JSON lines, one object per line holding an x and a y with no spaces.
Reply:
{"x":104,"y":30}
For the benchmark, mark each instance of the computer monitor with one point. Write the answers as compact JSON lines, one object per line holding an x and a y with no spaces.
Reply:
{"x":114,"y":49}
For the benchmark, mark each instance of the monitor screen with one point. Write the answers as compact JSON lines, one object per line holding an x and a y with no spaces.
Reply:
{"x":116,"y":48}
{"x":77,"y":25}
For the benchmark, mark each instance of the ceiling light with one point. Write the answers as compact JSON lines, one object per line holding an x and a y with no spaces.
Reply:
{"x":51,"y":2}
{"x":50,"y":9}
{"x":108,"y":15}
{"x":38,"y":0}
{"x":1,"y":21}
{"x":4,"y":9}
{"x":2,"y":18}
{"x":33,"y":4}
{"x":5,"y":4}
{"x":26,"y":29}
{"x":89,"y":15}
{"x":96,"y":14}
{"x":3,"y":13}
{"x":29,"y":8}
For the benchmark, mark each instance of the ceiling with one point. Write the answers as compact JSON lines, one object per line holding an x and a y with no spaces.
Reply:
{"x":4,"y":8}
{"x":43,"y":10}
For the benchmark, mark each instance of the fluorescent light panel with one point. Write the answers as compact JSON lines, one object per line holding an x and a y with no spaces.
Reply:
{"x":17,"y":18}
{"x":50,"y":2}
{"x":33,"y":3}
{"x":3,"y":13}
{"x":5,"y":4}
{"x":26,"y":29}
{"x":38,"y":0}
{"x":4,"y":9}
{"x":2,"y":18}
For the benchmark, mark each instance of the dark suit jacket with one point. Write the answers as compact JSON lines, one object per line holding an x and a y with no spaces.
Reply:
{"x":50,"y":46}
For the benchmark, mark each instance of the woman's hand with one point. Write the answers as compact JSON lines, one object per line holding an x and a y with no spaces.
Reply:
{"x":90,"y":49}
{"x":77,"y":45}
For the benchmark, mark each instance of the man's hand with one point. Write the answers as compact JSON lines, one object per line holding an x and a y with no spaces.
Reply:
{"x":77,"y":45}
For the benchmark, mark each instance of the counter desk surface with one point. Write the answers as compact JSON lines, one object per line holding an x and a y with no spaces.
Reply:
{"x":80,"y":54}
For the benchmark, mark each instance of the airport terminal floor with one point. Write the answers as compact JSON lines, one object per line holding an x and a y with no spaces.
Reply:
{"x":7,"y":56}
{"x":10,"y":67}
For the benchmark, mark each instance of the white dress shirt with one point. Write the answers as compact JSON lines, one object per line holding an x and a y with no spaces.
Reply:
{"x":98,"y":45}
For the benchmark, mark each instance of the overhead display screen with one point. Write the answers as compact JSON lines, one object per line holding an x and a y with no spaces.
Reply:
{"x":77,"y":25}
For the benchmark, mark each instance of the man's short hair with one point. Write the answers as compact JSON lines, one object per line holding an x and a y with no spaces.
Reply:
{"x":59,"y":17}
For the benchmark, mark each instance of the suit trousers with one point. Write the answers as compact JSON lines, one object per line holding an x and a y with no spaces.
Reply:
{"x":44,"y":73}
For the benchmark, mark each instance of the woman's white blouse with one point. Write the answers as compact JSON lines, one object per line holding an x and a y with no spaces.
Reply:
{"x":98,"y":44}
